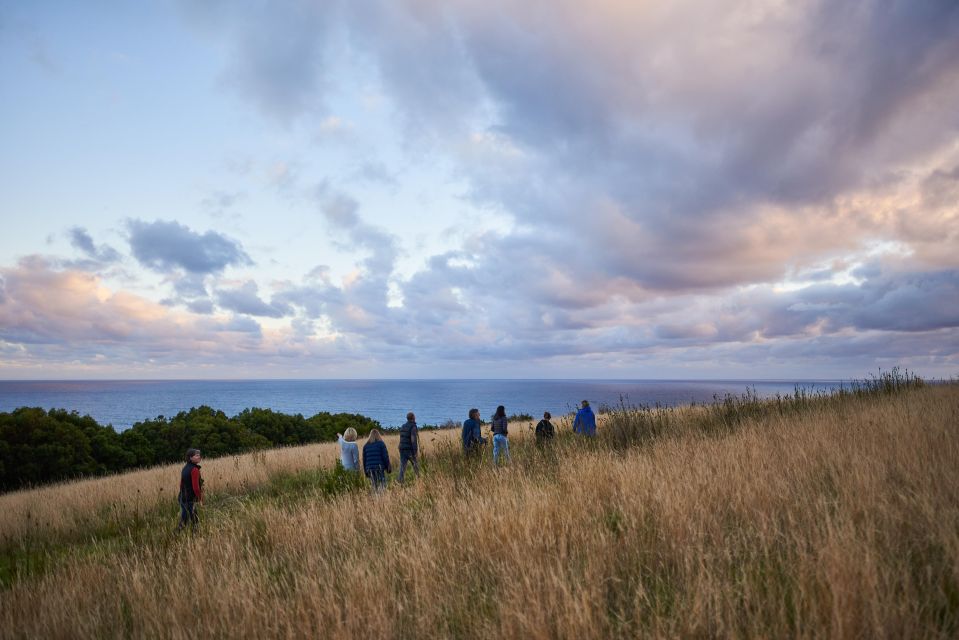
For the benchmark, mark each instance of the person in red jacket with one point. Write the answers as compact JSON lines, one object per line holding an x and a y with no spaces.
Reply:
{"x":191,"y":490}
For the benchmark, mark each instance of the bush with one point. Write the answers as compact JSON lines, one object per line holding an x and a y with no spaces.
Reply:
{"x":39,"y":447}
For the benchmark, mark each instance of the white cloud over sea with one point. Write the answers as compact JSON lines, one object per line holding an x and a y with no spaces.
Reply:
{"x":481,"y":189}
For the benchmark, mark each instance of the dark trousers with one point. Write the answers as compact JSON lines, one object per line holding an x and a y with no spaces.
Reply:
{"x":408,"y":456}
{"x":377,"y":479}
{"x":188,"y":514}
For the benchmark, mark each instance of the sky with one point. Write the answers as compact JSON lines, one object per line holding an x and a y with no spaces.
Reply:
{"x":478,"y":189}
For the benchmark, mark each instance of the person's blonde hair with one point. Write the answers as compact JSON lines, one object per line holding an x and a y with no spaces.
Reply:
{"x":374,"y":436}
{"x":350,"y":435}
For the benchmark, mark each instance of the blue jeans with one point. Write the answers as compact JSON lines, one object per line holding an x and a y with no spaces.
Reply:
{"x":500,"y":446}
{"x":406,"y":456}
{"x":188,"y":514}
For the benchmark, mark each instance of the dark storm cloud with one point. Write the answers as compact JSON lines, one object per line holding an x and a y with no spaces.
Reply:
{"x":167,"y":246}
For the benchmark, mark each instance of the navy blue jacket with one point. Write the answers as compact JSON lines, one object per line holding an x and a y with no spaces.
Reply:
{"x":471,"y":434}
{"x":376,"y":457}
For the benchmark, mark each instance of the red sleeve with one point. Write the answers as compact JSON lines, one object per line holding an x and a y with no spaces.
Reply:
{"x":195,"y":477}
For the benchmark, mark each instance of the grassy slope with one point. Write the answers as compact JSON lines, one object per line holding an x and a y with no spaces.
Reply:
{"x":809,"y":517}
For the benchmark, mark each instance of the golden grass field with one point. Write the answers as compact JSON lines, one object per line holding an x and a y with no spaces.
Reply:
{"x":829,"y":518}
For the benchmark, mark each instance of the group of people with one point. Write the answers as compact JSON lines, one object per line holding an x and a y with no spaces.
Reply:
{"x":376,"y":458}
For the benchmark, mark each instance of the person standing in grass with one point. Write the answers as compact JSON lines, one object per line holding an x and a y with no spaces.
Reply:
{"x":585,"y":422}
{"x":376,"y":460}
{"x":191,"y":490}
{"x":500,"y":432}
{"x":349,"y":452}
{"x":544,"y":430}
{"x":409,"y":445}
{"x":472,"y":435}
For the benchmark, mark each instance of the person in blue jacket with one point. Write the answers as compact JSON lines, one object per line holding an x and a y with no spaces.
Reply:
{"x":376,"y":460}
{"x":585,"y":422}
{"x":472,"y":436}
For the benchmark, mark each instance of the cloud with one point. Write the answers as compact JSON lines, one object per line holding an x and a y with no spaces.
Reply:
{"x":167,"y":246}
{"x":244,"y":299}
{"x":81,"y":239}
{"x":341,"y":212}
{"x":680,"y":182}
{"x":276,"y":55}
{"x":53,"y":313}
{"x":219,"y":203}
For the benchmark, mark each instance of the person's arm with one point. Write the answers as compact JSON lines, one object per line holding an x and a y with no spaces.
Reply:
{"x":386,"y":454}
{"x":356,"y":457}
{"x":415,"y":439}
{"x":195,"y":479}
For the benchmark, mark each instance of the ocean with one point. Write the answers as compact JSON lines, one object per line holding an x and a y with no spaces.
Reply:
{"x":125,"y":402}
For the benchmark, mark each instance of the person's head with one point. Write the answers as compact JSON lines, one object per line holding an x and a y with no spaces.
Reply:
{"x":410,"y":417}
{"x":546,"y":415}
{"x":374,"y":436}
{"x":500,"y":412}
{"x":585,"y":404}
{"x":474,"y":414}
{"x":193,"y":455}
{"x":350,"y":435}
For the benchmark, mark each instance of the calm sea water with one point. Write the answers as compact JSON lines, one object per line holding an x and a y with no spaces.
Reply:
{"x":124,"y":402}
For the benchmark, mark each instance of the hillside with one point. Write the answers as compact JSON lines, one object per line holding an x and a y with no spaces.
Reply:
{"x":803,"y":516}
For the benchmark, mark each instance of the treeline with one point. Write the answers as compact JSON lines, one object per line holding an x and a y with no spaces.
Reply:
{"x":38,"y":447}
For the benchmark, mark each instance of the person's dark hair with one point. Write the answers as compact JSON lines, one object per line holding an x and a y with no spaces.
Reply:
{"x":190,"y":453}
{"x":585,"y":403}
{"x":473,"y":412}
{"x":500,"y":412}
{"x":410,"y":416}
{"x":546,"y":415}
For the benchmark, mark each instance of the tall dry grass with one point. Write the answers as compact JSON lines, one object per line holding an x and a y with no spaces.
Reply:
{"x":841,"y":520}
{"x":71,"y":507}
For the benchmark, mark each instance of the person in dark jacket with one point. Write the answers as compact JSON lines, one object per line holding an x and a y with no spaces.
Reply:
{"x":191,"y":490}
{"x":409,"y":446}
{"x":585,"y":422}
{"x":376,"y":460}
{"x":500,"y":432}
{"x":545,"y":430}
{"x":472,"y":436}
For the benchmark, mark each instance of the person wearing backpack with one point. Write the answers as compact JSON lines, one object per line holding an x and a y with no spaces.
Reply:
{"x":544,"y":429}
{"x":472,"y":434}
{"x":191,"y":490}
{"x":376,"y":460}
{"x":500,"y":434}
{"x":409,"y":446}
